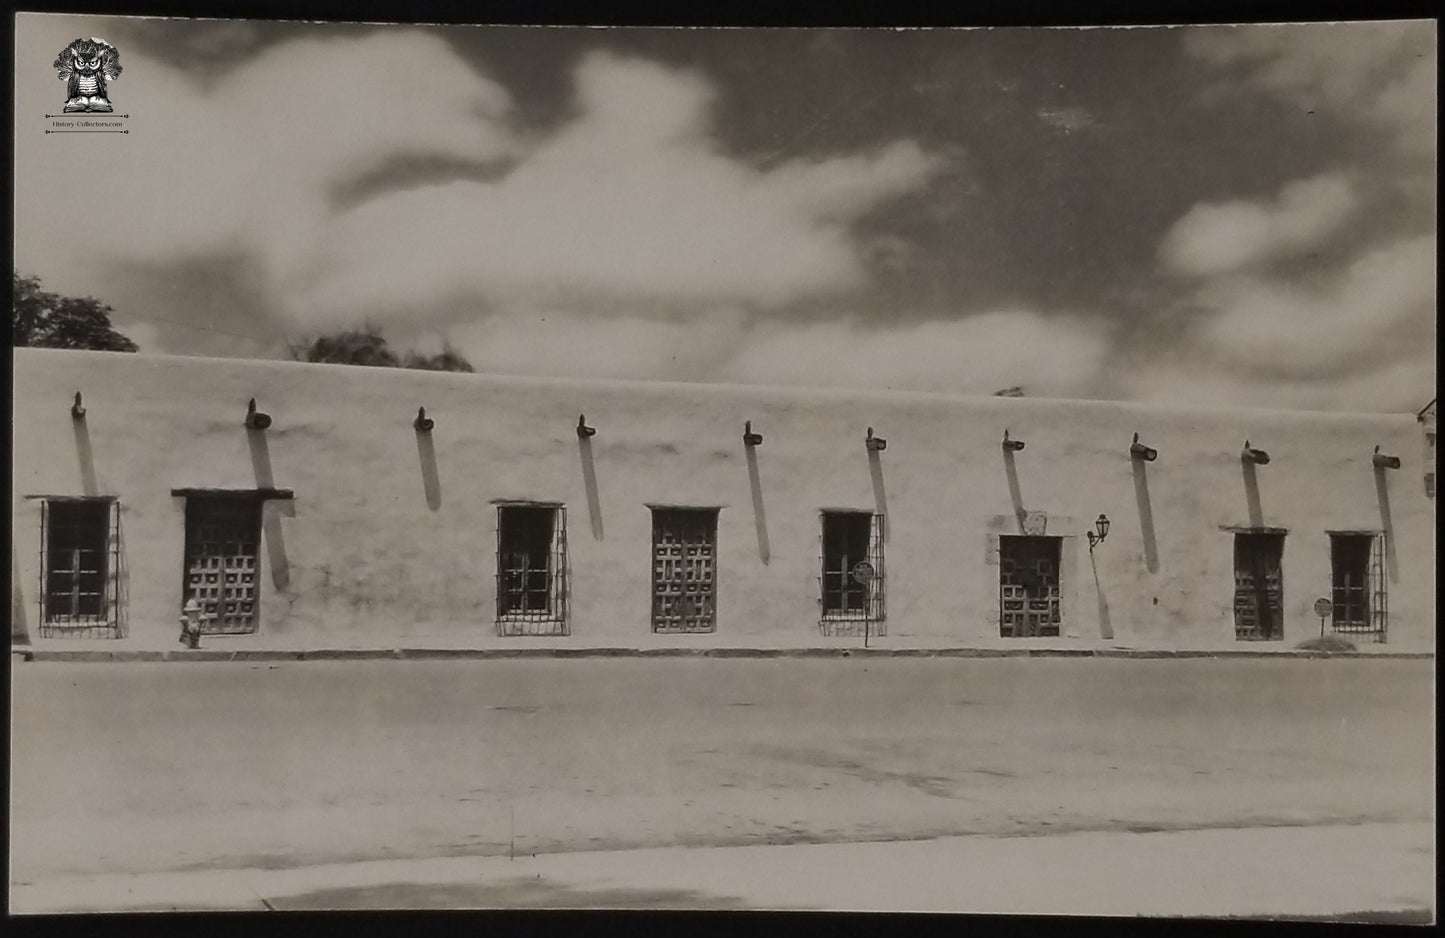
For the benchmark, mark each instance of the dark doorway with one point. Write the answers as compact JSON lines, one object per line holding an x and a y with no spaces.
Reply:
{"x":684,"y":569}
{"x":1028,"y":586}
{"x":223,"y":537}
{"x":1258,"y":586}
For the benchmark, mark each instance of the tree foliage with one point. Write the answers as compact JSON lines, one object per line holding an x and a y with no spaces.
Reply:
{"x":366,"y":346}
{"x":40,"y":319}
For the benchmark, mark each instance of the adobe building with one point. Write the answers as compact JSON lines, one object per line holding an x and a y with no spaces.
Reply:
{"x":586,"y":513}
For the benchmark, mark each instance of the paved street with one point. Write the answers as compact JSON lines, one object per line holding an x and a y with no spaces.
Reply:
{"x":150,"y":767}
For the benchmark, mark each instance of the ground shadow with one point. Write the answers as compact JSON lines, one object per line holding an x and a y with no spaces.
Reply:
{"x":1251,"y":494}
{"x":519,"y":893}
{"x":87,"y":457}
{"x":880,"y":492}
{"x":1387,"y":522}
{"x":589,"y":482}
{"x":1146,"y":515}
{"x":1106,"y":625}
{"x":760,"y":515}
{"x":1015,"y":494}
{"x":430,"y":478}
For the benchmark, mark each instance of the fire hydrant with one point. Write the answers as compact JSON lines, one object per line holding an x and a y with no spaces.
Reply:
{"x":191,"y":624}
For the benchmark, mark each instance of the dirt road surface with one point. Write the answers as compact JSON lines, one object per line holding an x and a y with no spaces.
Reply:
{"x":149,"y":767}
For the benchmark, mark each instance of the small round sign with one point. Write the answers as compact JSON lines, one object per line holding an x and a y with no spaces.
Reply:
{"x":862,"y":571}
{"x":1323,"y":607}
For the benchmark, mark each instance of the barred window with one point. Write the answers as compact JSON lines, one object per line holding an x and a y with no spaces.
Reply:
{"x":1029,"y":586}
{"x":80,"y":561}
{"x":531,"y":570}
{"x":1358,"y":583}
{"x":852,"y":575}
{"x":684,"y":569}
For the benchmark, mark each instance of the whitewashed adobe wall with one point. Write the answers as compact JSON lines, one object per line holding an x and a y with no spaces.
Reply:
{"x":389,"y":542}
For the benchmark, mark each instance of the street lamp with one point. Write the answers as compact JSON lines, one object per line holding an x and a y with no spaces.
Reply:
{"x":1101,"y":526}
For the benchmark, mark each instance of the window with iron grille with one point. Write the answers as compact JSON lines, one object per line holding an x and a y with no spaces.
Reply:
{"x":1029,"y":585}
{"x":1357,"y":584}
{"x":531,"y":570}
{"x":852,"y":574}
{"x":223,"y":541}
{"x":684,"y":569}
{"x":79,"y":547}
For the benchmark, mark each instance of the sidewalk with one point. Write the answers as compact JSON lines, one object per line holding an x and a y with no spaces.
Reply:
{"x":1327,"y":871}
{"x":486,"y":645}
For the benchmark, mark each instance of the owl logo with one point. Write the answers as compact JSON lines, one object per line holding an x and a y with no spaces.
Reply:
{"x":86,"y":65}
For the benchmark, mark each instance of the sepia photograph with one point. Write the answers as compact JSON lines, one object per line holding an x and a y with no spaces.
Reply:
{"x":984,"y":470}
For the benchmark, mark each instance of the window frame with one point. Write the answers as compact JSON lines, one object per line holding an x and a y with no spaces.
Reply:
{"x":711,"y":518}
{"x":872,"y":616}
{"x":1374,"y":589}
{"x":555,"y":619}
{"x":107,"y":622}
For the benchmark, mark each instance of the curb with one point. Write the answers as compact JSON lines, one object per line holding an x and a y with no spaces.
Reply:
{"x":423,"y":654}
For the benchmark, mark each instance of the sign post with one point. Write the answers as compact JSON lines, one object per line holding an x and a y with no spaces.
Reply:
{"x":1323,"y":607}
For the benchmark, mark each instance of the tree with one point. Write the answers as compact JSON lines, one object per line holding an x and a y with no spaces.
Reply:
{"x":40,"y":319}
{"x":366,"y":346}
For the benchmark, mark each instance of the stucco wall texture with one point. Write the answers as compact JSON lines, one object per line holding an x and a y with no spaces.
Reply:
{"x":391,"y":537}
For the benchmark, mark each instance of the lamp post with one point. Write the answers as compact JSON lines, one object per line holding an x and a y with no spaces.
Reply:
{"x":1101,"y":531}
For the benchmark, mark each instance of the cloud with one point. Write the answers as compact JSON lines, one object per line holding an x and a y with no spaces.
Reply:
{"x":1214,"y":238}
{"x":1361,"y":339}
{"x":245,"y":163}
{"x":1374,"y":74}
{"x":629,"y":204}
{"x":1191,"y":381}
{"x":628,"y":207}
{"x":1067,"y":119}
{"x":566,"y":343}
{"x":1057,"y":356}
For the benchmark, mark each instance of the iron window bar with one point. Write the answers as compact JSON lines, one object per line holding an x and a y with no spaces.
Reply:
{"x":684,"y":570}
{"x":852,"y":581}
{"x":1029,"y":586}
{"x":531,"y":576}
{"x":1359,"y":585}
{"x":80,"y":568}
{"x":222,"y":573}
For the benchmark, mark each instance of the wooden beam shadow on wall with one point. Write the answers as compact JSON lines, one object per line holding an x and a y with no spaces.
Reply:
{"x":1251,"y":495}
{"x":1146,"y":515}
{"x":430,"y":478}
{"x":1387,"y":522}
{"x":271,"y":512}
{"x":1106,"y":626}
{"x":86,"y":456}
{"x":880,"y":492}
{"x":589,"y":482}
{"x":760,"y":515}
{"x":19,"y":626}
{"x":1015,"y":494}
{"x":260,"y":458}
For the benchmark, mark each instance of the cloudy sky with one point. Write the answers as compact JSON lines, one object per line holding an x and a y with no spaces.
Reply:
{"x":1222,"y":215}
